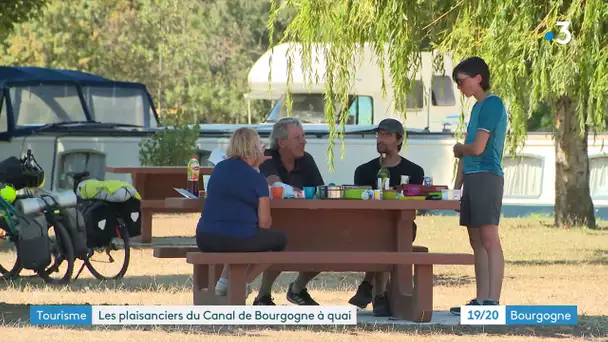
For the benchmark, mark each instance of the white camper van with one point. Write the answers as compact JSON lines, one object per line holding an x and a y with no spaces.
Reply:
{"x":434,"y":102}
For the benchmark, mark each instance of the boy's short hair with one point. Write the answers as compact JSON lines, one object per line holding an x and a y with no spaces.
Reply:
{"x":474,"y":66}
{"x":244,"y":143}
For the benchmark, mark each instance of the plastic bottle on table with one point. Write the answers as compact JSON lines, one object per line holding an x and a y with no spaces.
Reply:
{"x":194,"y":169}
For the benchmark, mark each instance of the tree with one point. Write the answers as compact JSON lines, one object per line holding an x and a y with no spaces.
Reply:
{"x":17,"y":11}
{"x":192,"y":55}
{"x":527,"y":69}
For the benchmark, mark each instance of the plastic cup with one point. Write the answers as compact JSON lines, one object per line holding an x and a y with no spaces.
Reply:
{"x":276,"y":192}
{"x":309,"y":192}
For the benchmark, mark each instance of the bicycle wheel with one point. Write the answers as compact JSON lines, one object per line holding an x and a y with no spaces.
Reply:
{"x":102,"y":262}
{"x":62,"y":253}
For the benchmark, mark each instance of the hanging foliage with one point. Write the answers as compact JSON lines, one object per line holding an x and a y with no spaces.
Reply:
{"x":527,"y":69}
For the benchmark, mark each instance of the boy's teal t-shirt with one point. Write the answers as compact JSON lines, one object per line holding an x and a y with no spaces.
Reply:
{"x":489,"y":115}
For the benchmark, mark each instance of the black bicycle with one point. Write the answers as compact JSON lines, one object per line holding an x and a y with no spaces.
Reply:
{"x":29,"y":178}
{"x":9,"y":234}
{"x":101,"y":260}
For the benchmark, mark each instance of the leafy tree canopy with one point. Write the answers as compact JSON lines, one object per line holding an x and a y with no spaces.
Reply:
{"x":526,"y":68}
{"x":17,"y":11}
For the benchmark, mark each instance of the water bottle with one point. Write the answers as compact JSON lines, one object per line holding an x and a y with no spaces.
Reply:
{"x":194,"y":171}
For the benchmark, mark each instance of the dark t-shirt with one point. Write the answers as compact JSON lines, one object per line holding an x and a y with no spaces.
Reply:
{"x":367,"y":174}
{"x":304,"y":173}
{"x":231,"y":206}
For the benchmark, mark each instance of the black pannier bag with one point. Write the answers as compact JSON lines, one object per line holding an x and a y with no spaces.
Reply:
{"x":74,"y":221}
{"x":33,"y":245}
{"x":100,"y":222}
{"x":130,"y":212}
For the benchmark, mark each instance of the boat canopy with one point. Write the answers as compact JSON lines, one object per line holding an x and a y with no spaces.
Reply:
{"x":34,"y":99}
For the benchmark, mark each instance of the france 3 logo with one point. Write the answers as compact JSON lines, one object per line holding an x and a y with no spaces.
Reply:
{"x":563,"y":30}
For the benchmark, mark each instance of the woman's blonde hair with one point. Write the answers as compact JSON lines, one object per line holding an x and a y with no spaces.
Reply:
{"x":245,"y":144}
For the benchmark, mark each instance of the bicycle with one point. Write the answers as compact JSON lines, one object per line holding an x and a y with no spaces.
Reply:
{"x":60,"y":246}
{"x":93,"y":264}
{"x":9,"y":232}
{"x":62,"y":249}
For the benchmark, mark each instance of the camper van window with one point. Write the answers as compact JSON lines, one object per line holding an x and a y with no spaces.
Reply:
{"x":415,"y":97}
{"x":310,"y":108}
{"x":598,"y":177}
{"x":362,"y":110}
{"x":443,"y":91}
{"x":3,"y":116}
{"x":119,"y":105}
{"x":46,"y":104}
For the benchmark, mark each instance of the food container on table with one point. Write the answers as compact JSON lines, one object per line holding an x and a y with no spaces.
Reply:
{"x":358,"y":192}
{"x":419,"y":198}
{"x":421,"y":190}
{"x":389,"y":195}
{"x":330,"y":192}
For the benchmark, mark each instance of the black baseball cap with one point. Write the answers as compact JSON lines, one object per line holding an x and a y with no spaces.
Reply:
{"x":390,"y":125}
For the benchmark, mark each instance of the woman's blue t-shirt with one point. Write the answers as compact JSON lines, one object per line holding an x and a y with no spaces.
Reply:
{"x":231,"y":206}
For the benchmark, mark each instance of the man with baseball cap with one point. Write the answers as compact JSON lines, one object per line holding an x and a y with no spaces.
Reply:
{"x":389,"y":139}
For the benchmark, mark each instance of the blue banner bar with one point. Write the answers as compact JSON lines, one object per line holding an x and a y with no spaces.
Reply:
{"x":542,"y":314}
{"x":61,"y":314}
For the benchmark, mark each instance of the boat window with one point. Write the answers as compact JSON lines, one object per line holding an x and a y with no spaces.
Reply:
{"x":3,"y":117}
{"x":122,"y":105}
{"x":46,"y":104}
{"x":523,"y":176}
{"x":598,"y":177}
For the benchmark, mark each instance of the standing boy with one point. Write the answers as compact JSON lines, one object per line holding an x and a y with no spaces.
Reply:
{"x":481,"y":173}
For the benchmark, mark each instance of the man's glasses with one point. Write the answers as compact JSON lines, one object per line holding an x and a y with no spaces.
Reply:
{"x":385,"y":134}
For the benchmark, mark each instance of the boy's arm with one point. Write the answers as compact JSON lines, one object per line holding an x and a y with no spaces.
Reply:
{"x":459,"y":175}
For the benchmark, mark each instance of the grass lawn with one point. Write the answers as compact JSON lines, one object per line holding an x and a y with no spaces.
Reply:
{"x":544,"y":265}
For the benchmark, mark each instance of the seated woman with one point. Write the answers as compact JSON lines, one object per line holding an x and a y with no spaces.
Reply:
{"x":236,"y":215}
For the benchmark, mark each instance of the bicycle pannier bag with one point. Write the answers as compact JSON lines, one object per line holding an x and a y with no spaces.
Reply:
{"x":74,"y":221}
{"x":33,"y":245}
{"x":100,"y":222}
{"x":130,"y":212}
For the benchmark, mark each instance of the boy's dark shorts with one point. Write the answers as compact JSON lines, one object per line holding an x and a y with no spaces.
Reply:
{"x":481,"y":200}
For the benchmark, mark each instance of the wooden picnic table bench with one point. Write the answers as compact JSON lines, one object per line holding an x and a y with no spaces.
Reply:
{"x":154,"y":184}
{"x":331,"y":235}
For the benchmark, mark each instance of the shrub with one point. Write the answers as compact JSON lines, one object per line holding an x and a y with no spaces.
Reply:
{"x":173,"y":145}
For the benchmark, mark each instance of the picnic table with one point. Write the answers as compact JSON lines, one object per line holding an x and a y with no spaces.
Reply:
{"x":154,"y":184}
{"x":330,"y":235}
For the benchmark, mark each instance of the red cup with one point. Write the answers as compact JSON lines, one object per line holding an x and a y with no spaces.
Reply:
{"x":276,"y":192}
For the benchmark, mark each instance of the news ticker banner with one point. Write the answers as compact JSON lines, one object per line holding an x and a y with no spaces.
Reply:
{"x":519,"y":315}
{"x":279,"y":315}
{"x":193,"y":315}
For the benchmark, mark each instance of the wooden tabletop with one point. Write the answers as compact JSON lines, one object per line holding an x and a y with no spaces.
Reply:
{"x":196,"y":204}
